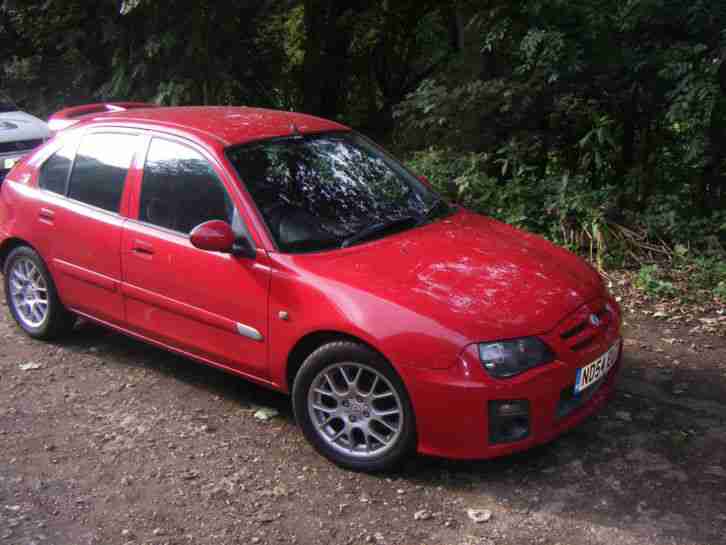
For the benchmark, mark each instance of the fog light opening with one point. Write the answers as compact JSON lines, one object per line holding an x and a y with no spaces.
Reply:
{"x":508,"y":421}
{"x":513,"y":409}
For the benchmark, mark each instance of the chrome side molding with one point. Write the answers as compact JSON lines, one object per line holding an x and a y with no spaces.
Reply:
{"x":249,"y":332}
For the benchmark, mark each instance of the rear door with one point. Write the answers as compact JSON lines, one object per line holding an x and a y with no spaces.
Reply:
{"x":212,"y":305}
{"x":86,"y":224}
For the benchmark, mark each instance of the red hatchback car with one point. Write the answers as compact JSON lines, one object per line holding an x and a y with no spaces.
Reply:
{"x":293,"y":252}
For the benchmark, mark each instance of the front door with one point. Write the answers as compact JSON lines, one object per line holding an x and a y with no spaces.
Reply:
{"x":209,"y":304}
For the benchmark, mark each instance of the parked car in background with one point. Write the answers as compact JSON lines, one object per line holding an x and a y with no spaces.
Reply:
{"x":294,"y":252}
{"x":20,"y":133}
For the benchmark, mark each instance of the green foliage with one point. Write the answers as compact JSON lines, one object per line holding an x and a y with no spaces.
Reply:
{"x":720,"y":290}
{"x":560,"y":207}
{"x":695,"y":272}
{"x":568,"y":210}
{"x":626,"y":95}
{"x":671,"y":217}
{"x":286,"y":28}
{"x":600,"y":124}
{"x":175,"y":52}
{"x":703,"y":271}
{"x":648,"y":280}
{"x":710,"y":271}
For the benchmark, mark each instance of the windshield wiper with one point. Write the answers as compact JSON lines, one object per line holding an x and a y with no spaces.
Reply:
{"x":380,"y":228}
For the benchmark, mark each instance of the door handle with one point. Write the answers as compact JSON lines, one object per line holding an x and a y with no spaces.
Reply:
{"x":46,"y":215}
{"x":144,"y":249}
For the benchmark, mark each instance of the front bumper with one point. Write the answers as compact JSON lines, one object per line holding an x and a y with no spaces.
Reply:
{"x":451,"y":406}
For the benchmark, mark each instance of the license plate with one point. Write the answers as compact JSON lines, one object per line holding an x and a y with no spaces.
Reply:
{"x":9,"y":163}
{"x":591,"y":373}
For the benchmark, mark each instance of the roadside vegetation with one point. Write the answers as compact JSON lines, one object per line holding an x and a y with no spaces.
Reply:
{"x":600,"y":124}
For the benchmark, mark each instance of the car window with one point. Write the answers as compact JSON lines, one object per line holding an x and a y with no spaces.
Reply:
{"x":180,"y":189}
{"x":315,"y":192}
{"x":100,"y":169}
{"x":54,"y":172}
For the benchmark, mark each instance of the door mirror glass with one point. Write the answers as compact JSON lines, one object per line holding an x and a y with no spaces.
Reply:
{"x":213,"y":236}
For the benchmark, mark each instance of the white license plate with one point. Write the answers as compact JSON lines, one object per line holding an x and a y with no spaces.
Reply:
{"x":9,"y":163}
{"x":591,"y":373}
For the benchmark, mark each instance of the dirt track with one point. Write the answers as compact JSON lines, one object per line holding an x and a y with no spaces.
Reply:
{"x":110,"y":442}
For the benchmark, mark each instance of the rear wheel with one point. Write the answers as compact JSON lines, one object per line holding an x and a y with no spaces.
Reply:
{"x":32,"y":297}
{"x":354,"y":408}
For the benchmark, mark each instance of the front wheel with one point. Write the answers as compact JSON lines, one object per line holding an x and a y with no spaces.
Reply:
{"x":354,"y":408}
{"x":32,"y":297}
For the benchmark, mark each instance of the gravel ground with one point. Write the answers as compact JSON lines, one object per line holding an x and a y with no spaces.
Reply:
{"x":104,"y":440}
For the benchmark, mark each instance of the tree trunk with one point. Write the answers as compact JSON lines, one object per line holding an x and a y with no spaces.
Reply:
{"x":325,"y":67}
{"x":313,"y":67}
{"x":629,"y":125}
{"x":456,"y":27}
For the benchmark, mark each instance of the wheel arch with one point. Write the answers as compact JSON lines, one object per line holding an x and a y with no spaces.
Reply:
{"x":314,"y":340}
{"x":8,"y":245}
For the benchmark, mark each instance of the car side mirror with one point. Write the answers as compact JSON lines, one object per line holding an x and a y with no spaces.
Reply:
{"x":218,"y":236}
{"x":213,"y":236}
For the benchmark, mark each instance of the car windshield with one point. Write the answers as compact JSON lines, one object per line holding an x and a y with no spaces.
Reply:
{"x":331,"y":190}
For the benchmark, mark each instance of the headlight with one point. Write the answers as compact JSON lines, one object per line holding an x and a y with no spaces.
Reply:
{"x":505,"y":359}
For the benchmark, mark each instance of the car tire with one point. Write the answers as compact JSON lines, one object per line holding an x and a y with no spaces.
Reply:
{"x":354,"y":408}
{"x":27,"y":278}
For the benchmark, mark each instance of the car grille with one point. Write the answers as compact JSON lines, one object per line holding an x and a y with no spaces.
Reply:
{"x":579,"y":331}
{"x":20,"y":145}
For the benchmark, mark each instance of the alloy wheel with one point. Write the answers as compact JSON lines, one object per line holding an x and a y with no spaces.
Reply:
{"x":28,"y":292}
{"x":355,"y":410}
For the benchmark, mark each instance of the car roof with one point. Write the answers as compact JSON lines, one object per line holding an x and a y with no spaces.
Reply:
{"x":225,"y":125}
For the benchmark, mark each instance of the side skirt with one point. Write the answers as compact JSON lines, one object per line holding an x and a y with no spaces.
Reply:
{"x":200,"y":359}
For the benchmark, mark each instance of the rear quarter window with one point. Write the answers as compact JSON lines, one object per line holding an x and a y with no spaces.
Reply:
{"x":55,"y":170}
{"x":100,"y":169}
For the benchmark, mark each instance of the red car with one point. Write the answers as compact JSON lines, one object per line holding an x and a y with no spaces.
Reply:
{"x":293,"y":252}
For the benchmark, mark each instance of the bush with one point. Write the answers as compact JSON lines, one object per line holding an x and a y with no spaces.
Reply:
{"x":706,"y":272}
{"x":720,"y":291}
{"x":569,"y":211}
{"x":557,"y":206}
{"x":649,"y":280}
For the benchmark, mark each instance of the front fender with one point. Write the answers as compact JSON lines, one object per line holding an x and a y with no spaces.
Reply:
{"x":301,"y":303}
